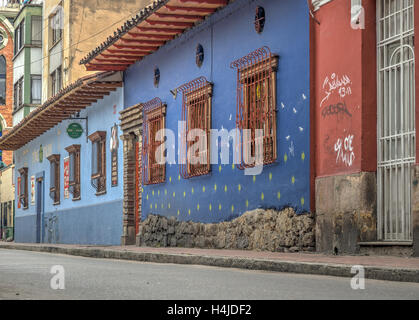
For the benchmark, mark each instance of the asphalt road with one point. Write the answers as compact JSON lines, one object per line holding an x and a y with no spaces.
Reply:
{"x":26,"y":275}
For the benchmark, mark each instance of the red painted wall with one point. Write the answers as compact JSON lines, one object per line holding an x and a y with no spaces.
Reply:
{"x":345,"y":90}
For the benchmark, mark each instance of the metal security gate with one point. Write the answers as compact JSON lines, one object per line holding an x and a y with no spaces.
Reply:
{"x":396,"y":117}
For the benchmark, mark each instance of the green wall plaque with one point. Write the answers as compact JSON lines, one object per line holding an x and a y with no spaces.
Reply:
{"x":74,"y":130}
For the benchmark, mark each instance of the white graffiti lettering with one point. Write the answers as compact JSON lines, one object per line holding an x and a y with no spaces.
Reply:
{"x":333,"y":83}
{"x":345,"y":151}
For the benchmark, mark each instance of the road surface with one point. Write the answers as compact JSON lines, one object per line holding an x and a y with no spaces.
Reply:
{"x":27,"y":275}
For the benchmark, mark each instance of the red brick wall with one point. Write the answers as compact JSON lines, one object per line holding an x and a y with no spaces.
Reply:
{"x":6,"y":111}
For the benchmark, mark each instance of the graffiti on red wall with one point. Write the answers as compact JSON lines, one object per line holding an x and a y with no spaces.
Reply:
{"x":334,"y":84}
{"x":345,"y":151}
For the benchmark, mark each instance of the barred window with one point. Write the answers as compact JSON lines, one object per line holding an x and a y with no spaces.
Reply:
{"x":23,"y":187}
{"x":98,"y":177}
{"x":74,"y":183}
{"x":154,"y":120}
{"x":256,"y":110}
{"x":196,"y":112}
{"x":54,"y":188}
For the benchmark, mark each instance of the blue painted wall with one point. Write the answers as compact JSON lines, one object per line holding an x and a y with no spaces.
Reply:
{"x":93,"y":219}
{"x":226,"y":36}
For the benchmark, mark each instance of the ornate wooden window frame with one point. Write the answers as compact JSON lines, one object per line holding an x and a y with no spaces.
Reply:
{"x":196,"y":106}
{"x":154,"y":117}
{"x":98,"y":179}
{"x":257,"y":101}
{"x":74,"y":184}
{"x":23,"y":196}
{"x":54,"y":191}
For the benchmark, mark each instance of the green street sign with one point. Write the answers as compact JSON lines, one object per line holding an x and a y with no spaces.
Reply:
{"x":74,"y":130}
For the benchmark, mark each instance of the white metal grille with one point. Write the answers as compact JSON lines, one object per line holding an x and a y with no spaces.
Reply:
{"x":396,"y":117}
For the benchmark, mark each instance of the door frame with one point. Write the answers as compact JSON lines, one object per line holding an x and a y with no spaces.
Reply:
{"x":40,"y":177}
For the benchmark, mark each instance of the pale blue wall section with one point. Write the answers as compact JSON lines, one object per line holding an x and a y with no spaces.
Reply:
{"x":93,"y":219}
{"x":226,"y":36}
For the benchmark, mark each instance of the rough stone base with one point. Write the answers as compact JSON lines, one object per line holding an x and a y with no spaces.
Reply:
{"x":346,"y":212}
{"x":269,"y":230}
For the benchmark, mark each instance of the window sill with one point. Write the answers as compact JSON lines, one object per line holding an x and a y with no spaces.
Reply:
{"x":101,"y":193}
{"x":76,"y":199}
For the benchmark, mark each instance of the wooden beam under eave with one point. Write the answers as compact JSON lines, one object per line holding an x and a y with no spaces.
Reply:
{"x":102,"y":67}
{"x":171,"y":31}
{"x":170,"y":23}
{"x":178,"y":16}
{"x":146,"y":36}
{"x":190,"y":9}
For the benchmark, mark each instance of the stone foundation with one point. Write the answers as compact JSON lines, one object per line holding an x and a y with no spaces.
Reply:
{"x":346,"y":212}
{"x":269,"y":230}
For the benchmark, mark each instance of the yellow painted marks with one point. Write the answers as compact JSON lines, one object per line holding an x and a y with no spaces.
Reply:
{"x":203,"y":189}
{"x":210,"y":207}
{"x":155,"y":206}
{"x":293,"y":180}
{"x":285,"y":158}
{"x":165,"y":192}
{"x":233,"y":166}
{"x":147,"y":196}
{"x":239,"y":187}
{"x":225,"y":188}
{"x":303,"y":156}
{"x":174,"y":194}
{"x":215,"y":187}
{"x":262,"y":196}
{"x":197,"y":207}
{"x":302,"y":201}
{"x":247,"y":203}
{"x":152,"y":193}
{"x":254,"y":179}
{"x":178,"y":212}
{"x":169,"y":206}
{"x":189,"y":212}
{"x":193,"y":191}
{"x":158,"y":193}
{"x":270,"y":176}
{"x":232,"y":208}
{"x":184,"y":194}
{"x":151,"y":206}
{"x":170,"y":179}
{"x":219,"y":168}
{"x":278,"y":195}
{"x":178,"y":177}
{"x":219,"y":207}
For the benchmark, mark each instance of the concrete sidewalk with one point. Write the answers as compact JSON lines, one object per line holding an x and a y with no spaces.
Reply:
{"x":376,"y":267}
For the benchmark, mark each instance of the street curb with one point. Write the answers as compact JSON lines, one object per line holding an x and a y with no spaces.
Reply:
{"x":327,"y":269}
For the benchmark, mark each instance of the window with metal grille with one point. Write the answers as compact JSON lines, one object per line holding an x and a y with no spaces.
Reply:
{"x":154,"y":168}
{"x":396,"y":127}
{"x":54,"y":188}
{"x":256,"y":105}
{"x":98,"y":177}
{"x":74,"y":183}
{"x":196,"y":113}
{"x":23,"y":188}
